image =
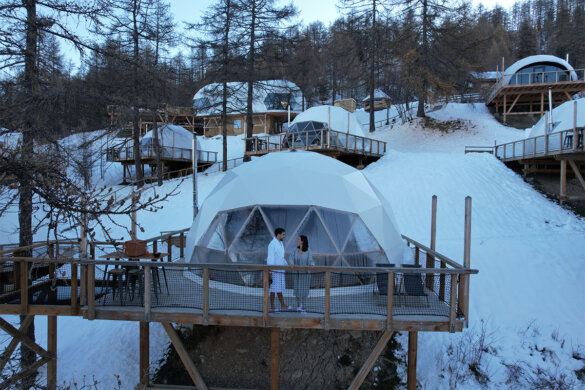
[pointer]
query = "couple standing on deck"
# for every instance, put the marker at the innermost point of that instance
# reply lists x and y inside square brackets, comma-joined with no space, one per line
[300,257]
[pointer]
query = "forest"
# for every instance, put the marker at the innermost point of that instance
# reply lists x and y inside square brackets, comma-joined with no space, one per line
[138,54]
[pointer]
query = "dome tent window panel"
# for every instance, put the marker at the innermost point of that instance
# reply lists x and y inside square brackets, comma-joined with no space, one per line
[208,255]
[288,217]
[255,235]
[338,224]
[361,240]
[319,239]
[214,237]
[234,221]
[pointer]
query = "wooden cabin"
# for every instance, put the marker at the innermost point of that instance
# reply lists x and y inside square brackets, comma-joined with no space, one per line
[346,104]
[526,87]
[381,101]
[273,100]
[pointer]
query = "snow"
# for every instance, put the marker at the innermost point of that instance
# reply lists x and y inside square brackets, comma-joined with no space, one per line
[526,303]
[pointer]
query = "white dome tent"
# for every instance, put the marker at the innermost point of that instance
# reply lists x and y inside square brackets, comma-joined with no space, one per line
[347,221]
[174,140]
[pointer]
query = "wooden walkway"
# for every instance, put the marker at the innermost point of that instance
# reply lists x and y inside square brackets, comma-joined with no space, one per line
[431,295]
[351,149]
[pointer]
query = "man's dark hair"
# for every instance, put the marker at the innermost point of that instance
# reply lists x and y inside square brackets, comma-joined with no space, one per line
[278,230]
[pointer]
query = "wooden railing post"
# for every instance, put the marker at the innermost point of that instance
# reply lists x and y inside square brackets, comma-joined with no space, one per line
[575,133]
[390,301]
[265,288]
[147,293]
[464,286]
[205,294]
[91,292]
[453,300]
[327,299]
[74,285]
[83,286]
[23,287]
[169,248]
[430,279]
[182,244]
[416,255]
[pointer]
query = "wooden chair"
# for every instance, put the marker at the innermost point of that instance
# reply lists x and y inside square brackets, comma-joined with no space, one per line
[382,284]
[412,284]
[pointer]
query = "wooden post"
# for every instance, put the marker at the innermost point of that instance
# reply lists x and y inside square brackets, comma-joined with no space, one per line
[505,108]
[205,293]
[369,363]
[575,133]
[147,293]
[170,248]
[327,298]
[184,355]
[182,244]
[430,279]
[453,300]
[390,300]
[74,285]
[52,349]
[265,288]
[23,287]
[91,292]
[464,287]
[83,286]
[144,372]
[416,255]
[274,358]
[563,181]
[546,134]
[412,350]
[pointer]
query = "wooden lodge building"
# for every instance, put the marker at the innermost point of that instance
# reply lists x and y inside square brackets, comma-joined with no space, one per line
[526,87]
[381,101]
[273,101]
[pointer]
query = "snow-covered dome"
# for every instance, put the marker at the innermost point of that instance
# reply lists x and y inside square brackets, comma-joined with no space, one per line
[337,118]
[562,117]
[170,136]
[542,59]
[346,219]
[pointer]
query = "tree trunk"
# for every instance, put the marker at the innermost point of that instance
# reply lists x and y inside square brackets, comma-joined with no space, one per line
[251,55]
[157,149]
[25,203]
[422,96]
[372,67]
[136,114]
[225,59]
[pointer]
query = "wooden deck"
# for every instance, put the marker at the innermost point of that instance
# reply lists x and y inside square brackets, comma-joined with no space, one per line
[351,149]
[527,93]
[172,291]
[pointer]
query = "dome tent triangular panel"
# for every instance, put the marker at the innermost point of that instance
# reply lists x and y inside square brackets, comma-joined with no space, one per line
[293,181]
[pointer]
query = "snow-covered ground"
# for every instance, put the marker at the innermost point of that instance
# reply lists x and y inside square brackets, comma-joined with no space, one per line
[526,303]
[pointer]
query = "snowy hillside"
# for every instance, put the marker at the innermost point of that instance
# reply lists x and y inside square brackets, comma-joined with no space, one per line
[526,303]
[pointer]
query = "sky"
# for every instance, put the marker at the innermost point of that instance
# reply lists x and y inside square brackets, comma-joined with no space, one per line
[310,10]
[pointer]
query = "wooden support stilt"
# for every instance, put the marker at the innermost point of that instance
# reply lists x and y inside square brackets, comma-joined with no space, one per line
[144,372]
[563,194]
[505,108]
[577,173]
[184,355]
[369,363]
[23,338]
[5,357]
[274,358]
[52,349]
[412,350]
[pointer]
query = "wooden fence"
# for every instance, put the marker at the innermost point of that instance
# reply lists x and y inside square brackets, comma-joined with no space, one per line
[562,142]
[117,154]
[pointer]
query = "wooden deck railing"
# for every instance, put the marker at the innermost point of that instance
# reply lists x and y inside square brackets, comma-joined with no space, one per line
[432,297]
[121,154]
[562,142]
[323,139]
[535,78]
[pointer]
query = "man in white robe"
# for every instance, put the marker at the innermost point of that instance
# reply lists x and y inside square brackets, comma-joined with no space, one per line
[276,257]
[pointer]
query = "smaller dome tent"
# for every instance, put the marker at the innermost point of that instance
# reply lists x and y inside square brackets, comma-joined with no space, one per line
[336,118]
[347,221]
[563,117]
[538,69]
[174,140]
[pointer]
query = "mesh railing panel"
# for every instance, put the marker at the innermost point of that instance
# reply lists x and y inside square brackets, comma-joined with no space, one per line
[177,288]
[235,290]
[8,291]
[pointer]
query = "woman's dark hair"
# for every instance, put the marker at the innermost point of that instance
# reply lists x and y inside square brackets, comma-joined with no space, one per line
[305,243]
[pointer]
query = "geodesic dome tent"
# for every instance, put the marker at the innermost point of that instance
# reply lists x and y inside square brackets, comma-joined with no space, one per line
[347,221]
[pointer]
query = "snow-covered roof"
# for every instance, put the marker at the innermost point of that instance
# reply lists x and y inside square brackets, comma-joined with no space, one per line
[337,119]
[492,75]
[299,179]
[171,136]
[378,94]
[538,59]
[562,117]
[269,96]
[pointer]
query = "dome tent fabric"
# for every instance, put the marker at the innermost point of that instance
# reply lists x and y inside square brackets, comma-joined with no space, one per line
[174,140]
[336,117]
[562,116]
[347,221]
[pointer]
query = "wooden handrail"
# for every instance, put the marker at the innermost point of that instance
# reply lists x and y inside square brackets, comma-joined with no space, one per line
[432,252]
[568,141]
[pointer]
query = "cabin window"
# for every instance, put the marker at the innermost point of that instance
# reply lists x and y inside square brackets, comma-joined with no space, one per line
[237,124]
